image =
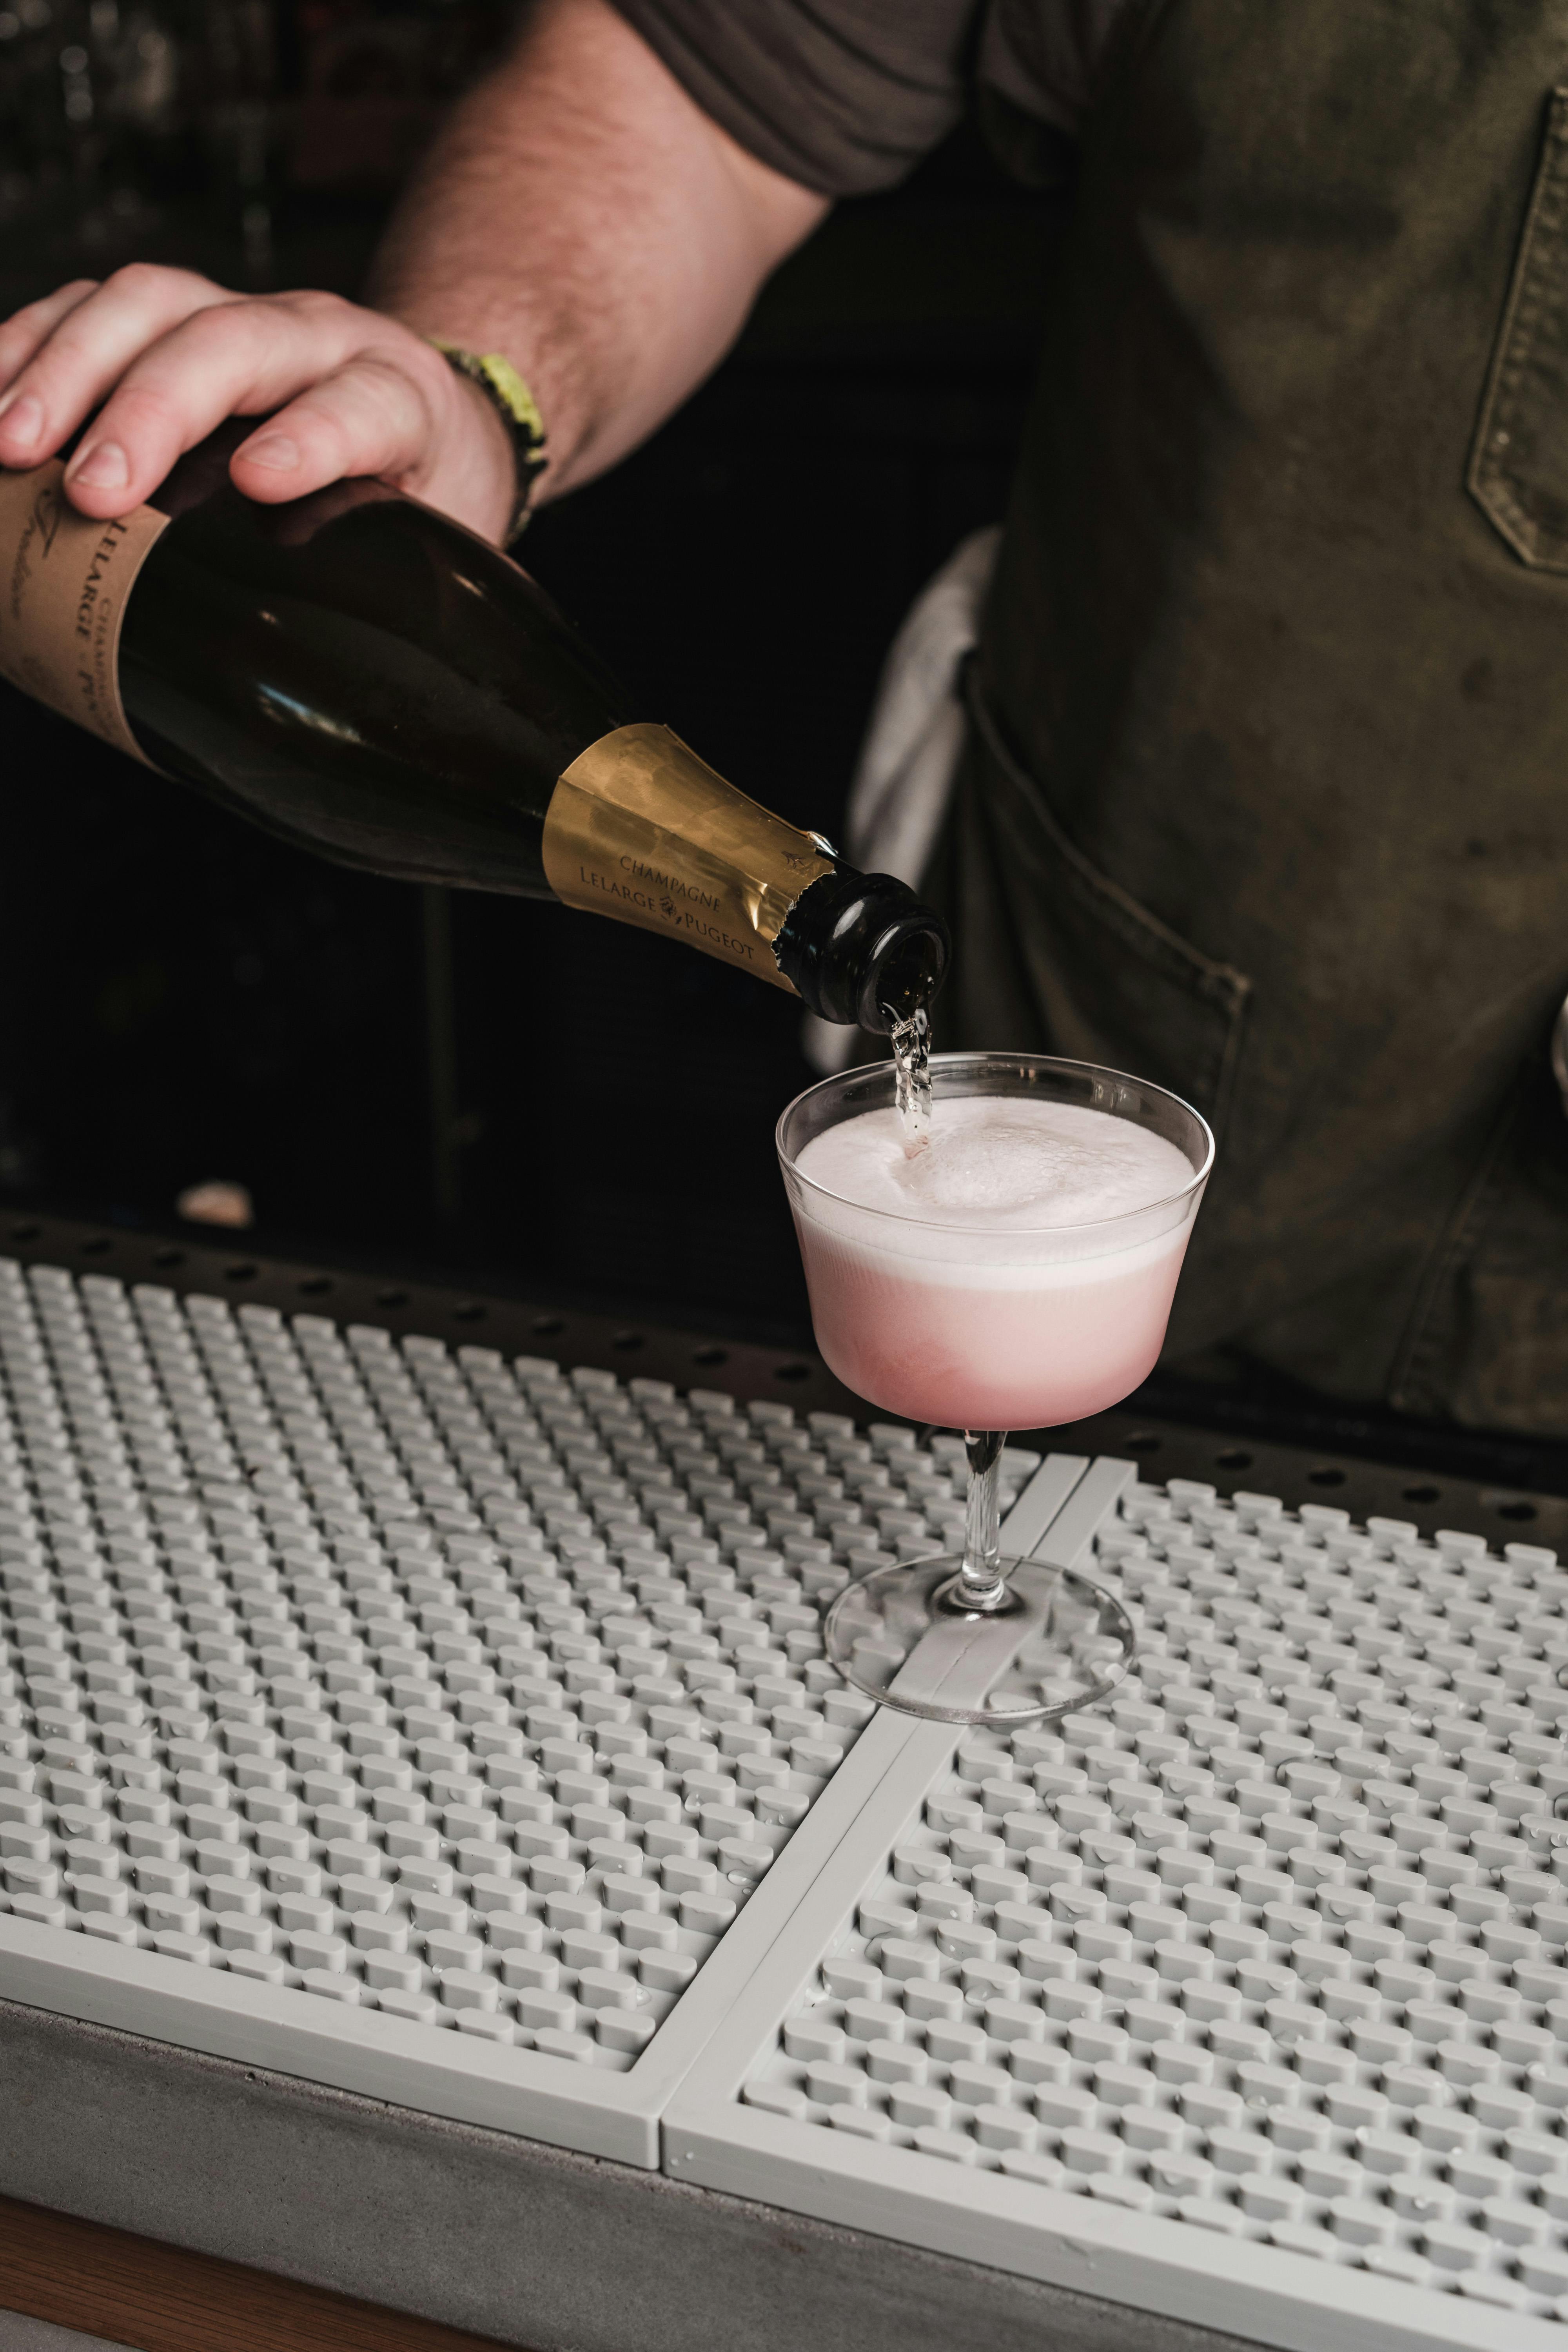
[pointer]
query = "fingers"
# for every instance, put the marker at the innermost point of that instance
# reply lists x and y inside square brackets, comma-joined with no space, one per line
[397,412]
[28,330]
[163,357]
[369,417]
[85,347]
[236,358]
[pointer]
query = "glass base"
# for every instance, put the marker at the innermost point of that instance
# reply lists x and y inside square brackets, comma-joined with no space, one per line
[1058,1642]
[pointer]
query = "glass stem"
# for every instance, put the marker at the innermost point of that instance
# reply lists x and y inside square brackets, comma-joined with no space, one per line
[981,1584]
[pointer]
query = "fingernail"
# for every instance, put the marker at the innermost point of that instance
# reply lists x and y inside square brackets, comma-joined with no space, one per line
[23,420]
[274,450]
[104,468]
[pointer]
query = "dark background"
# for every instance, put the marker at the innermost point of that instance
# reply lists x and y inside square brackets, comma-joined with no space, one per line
[530,1099]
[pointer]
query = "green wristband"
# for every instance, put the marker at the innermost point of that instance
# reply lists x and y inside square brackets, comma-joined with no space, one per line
[516,407]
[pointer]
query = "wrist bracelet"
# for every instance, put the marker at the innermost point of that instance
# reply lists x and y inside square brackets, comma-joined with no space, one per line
[519,411]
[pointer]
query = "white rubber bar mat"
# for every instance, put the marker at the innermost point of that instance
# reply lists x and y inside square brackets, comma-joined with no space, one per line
[1240,1999]
[438,1727]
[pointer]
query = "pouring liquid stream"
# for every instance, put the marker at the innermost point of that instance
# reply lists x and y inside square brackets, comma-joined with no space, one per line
[910,1039]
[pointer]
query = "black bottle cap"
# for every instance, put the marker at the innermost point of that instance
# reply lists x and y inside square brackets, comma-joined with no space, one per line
[861,947]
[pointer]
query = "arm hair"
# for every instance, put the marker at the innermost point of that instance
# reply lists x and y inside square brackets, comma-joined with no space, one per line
[582,214]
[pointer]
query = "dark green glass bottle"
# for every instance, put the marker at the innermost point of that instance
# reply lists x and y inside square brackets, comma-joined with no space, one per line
[367,680]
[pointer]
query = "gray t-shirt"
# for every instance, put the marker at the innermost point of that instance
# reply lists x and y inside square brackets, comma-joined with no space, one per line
[846,96]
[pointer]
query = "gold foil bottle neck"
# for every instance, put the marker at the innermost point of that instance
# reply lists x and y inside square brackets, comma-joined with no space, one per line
[640,828]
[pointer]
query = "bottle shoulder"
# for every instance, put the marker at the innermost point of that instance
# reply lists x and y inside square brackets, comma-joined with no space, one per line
[359,673]
[363,549]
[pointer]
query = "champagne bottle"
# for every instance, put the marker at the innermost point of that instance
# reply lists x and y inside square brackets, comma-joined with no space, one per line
[367,679]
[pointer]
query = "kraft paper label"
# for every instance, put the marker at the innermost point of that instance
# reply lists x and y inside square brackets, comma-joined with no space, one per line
[640,828]
[64,583]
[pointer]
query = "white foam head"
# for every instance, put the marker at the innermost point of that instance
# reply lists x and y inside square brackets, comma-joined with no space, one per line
[1004,1178]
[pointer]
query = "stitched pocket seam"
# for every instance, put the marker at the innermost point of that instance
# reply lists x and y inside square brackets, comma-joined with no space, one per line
[1539,286]
[1221,983]
[1157,947]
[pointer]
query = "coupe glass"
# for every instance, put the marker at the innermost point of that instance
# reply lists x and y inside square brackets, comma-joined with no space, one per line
[987,1331]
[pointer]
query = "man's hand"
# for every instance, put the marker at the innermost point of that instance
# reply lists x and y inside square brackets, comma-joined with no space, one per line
[164,356]
[578,213]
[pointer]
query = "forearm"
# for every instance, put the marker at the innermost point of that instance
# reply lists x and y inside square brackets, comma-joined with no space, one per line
[582,214]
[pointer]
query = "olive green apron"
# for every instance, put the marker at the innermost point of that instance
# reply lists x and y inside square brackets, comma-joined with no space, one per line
[1266,796]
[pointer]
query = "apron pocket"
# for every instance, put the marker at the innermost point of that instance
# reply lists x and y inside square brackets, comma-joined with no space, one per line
[1109,981]
[1518,464]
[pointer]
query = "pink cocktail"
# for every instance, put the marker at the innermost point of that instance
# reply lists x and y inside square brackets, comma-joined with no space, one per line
[1025,1349]
[1016,1274]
